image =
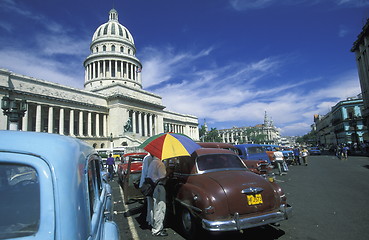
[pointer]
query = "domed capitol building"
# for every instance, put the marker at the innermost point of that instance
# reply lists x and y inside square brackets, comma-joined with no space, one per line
[113,107]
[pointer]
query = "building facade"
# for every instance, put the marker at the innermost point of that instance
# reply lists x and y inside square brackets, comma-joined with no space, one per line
[361,50]
[238,135]
[344,124]
[113,109]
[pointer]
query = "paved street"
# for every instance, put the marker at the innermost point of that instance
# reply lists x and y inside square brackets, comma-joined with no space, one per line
[329,197]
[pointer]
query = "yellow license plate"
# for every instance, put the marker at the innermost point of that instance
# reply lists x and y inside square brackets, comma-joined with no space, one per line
[254,199]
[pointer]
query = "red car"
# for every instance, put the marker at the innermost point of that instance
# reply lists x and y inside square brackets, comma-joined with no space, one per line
[256,166]
[129,174]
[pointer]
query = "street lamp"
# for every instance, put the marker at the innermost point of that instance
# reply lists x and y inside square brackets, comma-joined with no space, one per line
[14,110]
[111,141]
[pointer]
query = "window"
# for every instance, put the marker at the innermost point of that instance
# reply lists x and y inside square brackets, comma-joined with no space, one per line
[104,48]
[94,181]
[121,49]
[20,192]
[218,161]
[113,48]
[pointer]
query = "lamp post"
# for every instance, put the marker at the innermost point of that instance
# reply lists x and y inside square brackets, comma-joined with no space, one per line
[111,142]
[14,110]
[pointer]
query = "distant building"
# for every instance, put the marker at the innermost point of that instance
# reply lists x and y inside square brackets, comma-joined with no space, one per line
[343,124]
[361,50]
[238,135]
[113,109]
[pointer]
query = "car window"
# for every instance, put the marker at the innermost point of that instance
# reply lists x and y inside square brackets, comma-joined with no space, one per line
[218,161]
[20,201]
[255,150]
[94,181]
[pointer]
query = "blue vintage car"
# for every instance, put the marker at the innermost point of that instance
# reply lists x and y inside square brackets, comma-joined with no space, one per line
[252,152]
[52,187]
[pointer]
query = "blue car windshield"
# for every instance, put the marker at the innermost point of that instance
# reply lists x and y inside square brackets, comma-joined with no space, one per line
[19,201]
[218,161]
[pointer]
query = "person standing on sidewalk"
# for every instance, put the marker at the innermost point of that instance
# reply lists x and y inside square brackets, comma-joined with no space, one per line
[157,172]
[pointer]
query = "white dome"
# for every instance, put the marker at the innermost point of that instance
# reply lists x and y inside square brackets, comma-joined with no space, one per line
[112,29]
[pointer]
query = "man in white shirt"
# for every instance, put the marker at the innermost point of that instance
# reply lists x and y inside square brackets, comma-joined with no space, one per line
[156,172]
[149,201]
[279,159]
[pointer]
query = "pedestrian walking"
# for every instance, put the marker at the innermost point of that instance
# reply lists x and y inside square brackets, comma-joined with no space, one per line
[157,172]
[345,149]
[110,163]
[279,160]
[296,153]
[304,155]
[147,210]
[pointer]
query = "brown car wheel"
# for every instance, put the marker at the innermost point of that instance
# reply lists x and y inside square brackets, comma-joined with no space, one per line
[188,224]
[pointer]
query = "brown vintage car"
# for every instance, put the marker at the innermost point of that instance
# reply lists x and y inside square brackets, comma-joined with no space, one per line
[214,190]
[256,166]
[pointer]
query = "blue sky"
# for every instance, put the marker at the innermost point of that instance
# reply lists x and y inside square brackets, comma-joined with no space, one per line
[226,61]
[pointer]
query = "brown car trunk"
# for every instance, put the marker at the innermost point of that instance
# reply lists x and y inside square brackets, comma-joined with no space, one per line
[237,201]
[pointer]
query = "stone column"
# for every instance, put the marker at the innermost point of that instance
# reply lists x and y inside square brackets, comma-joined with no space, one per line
[105,128]
[104,68]
[144,125]
[98,69]
[80,124]
[38,118]
[121,69]
[110,68]
[50,120]
[140,123]
[61,121]
[116,68]
[150,124]
[71,122]
[89,123]
[134,127]
[97,123]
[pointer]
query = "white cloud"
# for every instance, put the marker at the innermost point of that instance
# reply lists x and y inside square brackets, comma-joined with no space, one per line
[233,93]
[31,65]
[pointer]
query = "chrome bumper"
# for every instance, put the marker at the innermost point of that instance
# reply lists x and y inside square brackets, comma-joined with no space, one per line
[239,223]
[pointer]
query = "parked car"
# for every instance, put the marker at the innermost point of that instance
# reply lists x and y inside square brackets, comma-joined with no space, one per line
[214,190]
[258,166]
[52,187]
[314,151]
[129,174]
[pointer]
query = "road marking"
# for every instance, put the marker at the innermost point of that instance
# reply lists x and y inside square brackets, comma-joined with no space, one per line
[129,218]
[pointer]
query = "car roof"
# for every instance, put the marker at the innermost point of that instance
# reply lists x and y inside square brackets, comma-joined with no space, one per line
[206,151]
[61,152]
[249,145]
[215,145]
[134,154]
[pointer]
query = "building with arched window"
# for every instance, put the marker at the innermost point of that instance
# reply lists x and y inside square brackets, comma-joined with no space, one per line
[111,109]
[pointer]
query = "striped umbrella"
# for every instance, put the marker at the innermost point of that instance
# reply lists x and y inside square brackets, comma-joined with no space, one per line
[169,145]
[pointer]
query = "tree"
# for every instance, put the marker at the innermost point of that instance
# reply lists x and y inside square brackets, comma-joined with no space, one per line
[254,135]
[202,133]
[213,136]
[210,136]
